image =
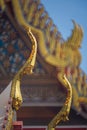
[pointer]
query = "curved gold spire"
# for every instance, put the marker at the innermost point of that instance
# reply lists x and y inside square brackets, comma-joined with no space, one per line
[64,112]
[26,69]
[75,39]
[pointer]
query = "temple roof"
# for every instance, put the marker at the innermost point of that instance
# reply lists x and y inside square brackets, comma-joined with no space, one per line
[15,46]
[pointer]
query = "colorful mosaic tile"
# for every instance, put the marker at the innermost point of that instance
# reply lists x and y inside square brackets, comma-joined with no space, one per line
[13,51]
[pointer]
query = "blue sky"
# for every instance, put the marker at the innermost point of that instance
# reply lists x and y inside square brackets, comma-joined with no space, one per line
[62,12]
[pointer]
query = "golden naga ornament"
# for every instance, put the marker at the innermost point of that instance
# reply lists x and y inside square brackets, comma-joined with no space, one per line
[26,69]
[64,112]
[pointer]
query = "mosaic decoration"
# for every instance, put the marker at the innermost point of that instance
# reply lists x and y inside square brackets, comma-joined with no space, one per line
[13,51]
